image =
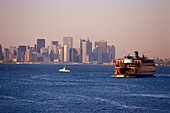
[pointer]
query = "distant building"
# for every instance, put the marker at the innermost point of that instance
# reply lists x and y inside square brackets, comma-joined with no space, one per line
[44,54]
[73,57]
[86,51]
[29,55]
[35,47]
[6,54]
[61,54]
[102,44]
[66,53]
[68,41]
[12,48]
[98,54]
[40,44]
[113,53]
[54,43]
[1,53]
[53,50]
[21,53]
[80,51]
[78,55]
[12,55]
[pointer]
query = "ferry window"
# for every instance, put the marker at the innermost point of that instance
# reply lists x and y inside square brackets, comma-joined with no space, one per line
[131,65]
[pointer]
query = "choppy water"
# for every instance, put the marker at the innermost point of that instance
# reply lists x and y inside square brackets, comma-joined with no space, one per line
[88,88]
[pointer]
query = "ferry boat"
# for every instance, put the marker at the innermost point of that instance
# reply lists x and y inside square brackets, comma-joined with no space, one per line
[136,66]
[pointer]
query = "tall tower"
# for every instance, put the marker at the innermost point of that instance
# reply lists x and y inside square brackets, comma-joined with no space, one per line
[113,52]
[86,51]
[80,46]
[1,54]
[73,55]
[68,41]
[54,43]
[40,44]
[98,54]
[6,54]
[66,53]
[28,55]
[53,50]
[102,44]
[21,53]
[61,54]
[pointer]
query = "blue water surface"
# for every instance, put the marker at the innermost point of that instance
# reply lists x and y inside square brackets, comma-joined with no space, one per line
[42,88]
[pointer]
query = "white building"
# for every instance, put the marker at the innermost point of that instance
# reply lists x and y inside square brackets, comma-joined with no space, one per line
[86,51]
[66,53]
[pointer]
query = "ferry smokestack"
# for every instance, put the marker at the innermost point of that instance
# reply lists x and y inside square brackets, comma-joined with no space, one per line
[136,54]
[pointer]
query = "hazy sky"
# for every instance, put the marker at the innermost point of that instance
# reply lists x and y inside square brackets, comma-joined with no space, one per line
[130,25]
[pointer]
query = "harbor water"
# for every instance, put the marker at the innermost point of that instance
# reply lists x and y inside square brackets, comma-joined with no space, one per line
[41,88]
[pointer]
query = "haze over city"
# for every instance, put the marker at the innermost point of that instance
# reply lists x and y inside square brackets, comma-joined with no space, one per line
[129,25]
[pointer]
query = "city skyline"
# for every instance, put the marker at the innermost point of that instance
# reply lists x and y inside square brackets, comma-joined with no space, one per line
[57,53]
[130,25]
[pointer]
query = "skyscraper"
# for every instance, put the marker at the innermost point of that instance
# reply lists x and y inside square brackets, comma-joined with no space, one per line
[68,41]
[61,54]
[35,47]
[102,44]
[11,48]
[44,54]
[53,50]
[73,55]
[12,53]
[28,55]
[113,52]
[40,44]
[66,53]
[98,54]
[21,53]
[86,51]
[54,43]
[6,54]
[80,46]
[1,54]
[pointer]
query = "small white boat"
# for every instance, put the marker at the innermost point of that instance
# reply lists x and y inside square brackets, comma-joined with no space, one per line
[119,76]
[64,70]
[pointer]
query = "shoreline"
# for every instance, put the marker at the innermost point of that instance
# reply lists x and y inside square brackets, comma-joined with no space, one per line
[69,63]
[54,63]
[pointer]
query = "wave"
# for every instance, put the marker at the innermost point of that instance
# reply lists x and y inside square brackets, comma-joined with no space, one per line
[151,95]
[162,75]
[14,98]
[39,76]
[7,97]
[117,104]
